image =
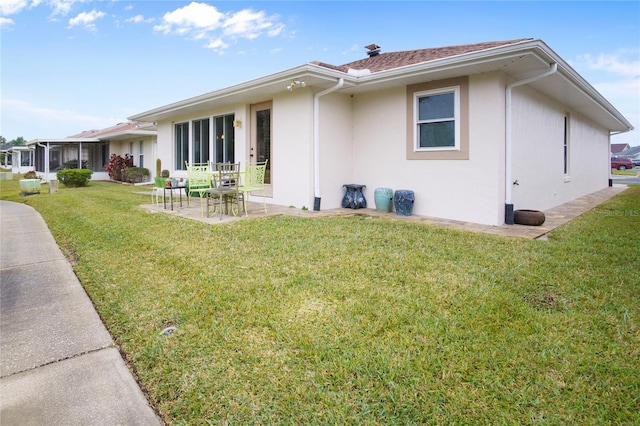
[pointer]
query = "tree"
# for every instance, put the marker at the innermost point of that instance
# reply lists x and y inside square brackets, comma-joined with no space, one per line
[17,141]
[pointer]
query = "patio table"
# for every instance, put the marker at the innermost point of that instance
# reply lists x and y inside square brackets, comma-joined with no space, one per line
[180,188]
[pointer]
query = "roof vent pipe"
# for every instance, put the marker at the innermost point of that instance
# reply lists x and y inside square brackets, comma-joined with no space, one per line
[373,50]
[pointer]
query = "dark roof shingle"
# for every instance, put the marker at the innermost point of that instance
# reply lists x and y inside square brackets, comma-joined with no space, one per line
[391,60]
[120,127]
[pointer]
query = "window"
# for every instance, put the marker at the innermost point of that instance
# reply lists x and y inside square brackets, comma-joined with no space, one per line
[141,154]
[104,153]
[438,120]
[181,145]
[200,141]
[437,117]
[225,139]
[25,158]
[566,144]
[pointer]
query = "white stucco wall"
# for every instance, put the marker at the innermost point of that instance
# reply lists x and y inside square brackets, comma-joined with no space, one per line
[538,153]
[363,141]
[468,190]
[292,157]
[336,149]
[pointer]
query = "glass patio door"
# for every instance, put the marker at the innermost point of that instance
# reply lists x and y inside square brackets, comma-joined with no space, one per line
[260,147]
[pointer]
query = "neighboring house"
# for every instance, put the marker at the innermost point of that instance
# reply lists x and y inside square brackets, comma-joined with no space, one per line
[617,148]
[5,155]
[22,158]
[630,152]
[94,147]
[474,130]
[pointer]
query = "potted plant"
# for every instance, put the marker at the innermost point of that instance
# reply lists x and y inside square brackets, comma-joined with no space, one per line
[161,181]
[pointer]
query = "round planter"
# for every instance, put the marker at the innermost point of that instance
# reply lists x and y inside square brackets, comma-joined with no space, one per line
[384,199]
[403,202]
[528,217]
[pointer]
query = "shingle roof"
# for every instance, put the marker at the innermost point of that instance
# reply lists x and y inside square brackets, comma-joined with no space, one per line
[118,128]
[618,147]
[391,60]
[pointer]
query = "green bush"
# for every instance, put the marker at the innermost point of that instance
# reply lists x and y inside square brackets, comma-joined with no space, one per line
[73,178]
[73,164]
[136,174]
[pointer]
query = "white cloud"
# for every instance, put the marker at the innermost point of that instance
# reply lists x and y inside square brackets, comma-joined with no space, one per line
[86,19]
[58,7]
[217,45]
[200,21]
[139,19]
[617,76]
[623,62]
[353,48]
[63,7]
[248,24]
[10,7]
[194,17]
[20,117]
[6,22]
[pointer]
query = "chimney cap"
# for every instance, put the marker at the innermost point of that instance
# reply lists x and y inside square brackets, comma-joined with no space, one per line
[373,50]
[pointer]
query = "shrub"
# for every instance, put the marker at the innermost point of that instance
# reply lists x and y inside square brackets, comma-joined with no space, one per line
[118,165]
[136,174]
[165,173]
[73,164]
[74,178]
[31,174]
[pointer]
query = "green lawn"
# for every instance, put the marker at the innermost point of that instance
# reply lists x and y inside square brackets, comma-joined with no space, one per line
[625,172]
[354,320]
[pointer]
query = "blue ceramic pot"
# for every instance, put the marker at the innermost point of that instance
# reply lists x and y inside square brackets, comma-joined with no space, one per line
[403,202]
[384,199]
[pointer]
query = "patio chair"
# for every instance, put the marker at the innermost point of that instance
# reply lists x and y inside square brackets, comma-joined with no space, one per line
[253,181]
[198,182]
[158,190]
[226,178]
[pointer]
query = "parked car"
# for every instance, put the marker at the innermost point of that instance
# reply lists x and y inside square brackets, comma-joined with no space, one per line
[621,163]
[636,162]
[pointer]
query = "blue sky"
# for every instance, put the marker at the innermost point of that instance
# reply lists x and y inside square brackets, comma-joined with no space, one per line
[73,65]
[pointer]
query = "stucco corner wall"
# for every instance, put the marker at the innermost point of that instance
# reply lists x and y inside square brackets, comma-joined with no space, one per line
[466,190]
[538,152]
[292,158]
[336,148]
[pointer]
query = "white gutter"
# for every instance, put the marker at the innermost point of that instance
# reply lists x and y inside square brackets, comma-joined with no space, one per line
[508,142]
[316,140]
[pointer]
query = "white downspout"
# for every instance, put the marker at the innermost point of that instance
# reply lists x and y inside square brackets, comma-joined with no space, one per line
[508,142]
[46,160]
[316,140]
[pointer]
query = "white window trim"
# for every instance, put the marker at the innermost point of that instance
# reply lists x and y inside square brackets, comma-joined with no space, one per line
[456,118]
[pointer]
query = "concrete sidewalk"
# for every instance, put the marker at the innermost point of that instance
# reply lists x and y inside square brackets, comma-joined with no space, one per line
[58,363]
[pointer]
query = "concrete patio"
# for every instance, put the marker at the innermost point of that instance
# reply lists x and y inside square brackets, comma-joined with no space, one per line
[555,217]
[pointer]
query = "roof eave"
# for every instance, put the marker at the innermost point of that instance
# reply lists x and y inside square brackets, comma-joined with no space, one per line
[62,140]
[535,48]
[321,77]
[253,90]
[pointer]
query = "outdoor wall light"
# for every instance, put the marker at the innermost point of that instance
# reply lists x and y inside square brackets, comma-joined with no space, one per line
[237,123]
[295,84]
